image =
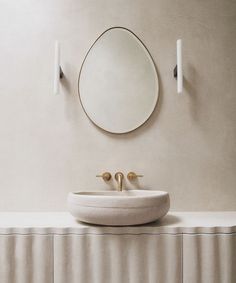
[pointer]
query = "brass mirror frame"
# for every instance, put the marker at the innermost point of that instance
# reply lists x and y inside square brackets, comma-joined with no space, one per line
[111,28]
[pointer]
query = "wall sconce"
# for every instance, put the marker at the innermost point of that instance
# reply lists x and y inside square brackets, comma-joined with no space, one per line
[58,73]
[178,70]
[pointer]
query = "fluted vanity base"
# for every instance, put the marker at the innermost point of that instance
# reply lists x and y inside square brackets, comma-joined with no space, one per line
[118,259]
[26,258]
[183,247]
[209,258]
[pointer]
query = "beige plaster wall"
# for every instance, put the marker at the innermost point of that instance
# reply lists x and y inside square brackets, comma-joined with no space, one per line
[48,147]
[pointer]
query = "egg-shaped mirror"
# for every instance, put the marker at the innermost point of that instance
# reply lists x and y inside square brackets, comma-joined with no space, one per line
[118,82]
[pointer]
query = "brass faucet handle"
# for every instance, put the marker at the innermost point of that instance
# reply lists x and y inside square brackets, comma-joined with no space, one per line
[132,176]
[106,176]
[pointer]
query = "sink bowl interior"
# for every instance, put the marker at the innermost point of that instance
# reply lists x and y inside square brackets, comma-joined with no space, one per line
[125,193]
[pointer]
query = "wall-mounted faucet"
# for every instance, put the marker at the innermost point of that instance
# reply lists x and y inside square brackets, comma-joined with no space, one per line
[119,176]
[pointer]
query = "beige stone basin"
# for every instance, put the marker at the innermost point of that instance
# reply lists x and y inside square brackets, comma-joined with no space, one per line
[129,207]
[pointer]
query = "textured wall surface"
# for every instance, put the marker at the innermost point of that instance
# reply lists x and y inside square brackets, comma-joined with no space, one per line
[48,147]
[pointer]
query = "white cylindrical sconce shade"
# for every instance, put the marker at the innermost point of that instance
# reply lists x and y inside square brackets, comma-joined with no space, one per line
[179,67]
[56,68]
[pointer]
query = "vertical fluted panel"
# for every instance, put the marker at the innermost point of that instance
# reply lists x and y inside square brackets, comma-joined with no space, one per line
[209,258]
[26,259]
[117,258]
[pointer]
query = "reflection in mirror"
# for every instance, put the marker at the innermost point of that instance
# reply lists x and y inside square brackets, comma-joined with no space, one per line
[118,82]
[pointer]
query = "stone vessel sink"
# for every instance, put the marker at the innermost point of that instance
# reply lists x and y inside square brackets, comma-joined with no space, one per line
[113,208]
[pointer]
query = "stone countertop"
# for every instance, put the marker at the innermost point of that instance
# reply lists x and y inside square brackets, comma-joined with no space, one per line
[52,223]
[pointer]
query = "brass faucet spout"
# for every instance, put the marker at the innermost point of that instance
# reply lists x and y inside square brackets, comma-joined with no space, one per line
[119,178]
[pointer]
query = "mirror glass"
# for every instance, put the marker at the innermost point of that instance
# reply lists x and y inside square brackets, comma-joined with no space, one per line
[118,82]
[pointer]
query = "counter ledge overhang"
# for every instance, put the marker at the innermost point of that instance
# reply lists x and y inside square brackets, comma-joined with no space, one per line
[62,223]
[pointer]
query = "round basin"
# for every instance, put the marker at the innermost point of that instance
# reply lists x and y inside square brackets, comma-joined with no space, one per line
[113,208]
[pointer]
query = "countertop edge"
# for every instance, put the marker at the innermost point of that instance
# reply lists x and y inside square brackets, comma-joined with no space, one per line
[62,223]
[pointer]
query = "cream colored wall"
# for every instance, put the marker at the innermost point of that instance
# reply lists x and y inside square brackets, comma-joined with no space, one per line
[48,147]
